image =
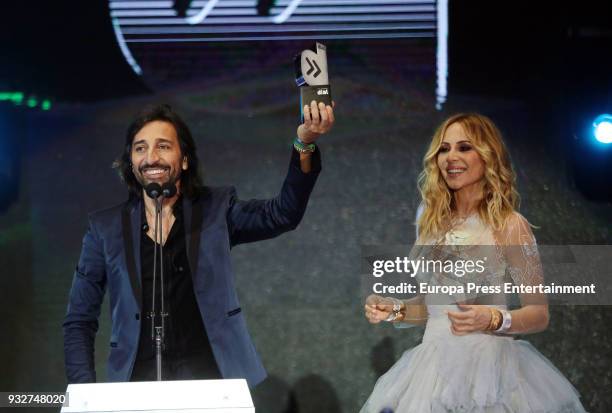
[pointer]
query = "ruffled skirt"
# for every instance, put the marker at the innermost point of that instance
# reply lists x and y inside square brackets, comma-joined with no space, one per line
[476,373]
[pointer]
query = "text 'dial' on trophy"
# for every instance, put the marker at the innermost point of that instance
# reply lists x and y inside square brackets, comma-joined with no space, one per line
[312,75]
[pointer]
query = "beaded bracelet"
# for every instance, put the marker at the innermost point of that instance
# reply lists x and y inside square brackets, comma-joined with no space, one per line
[303,147]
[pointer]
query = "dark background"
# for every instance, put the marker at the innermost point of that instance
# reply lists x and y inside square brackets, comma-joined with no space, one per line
[541,71]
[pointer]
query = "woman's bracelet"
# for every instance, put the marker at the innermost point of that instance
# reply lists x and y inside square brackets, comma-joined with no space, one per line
[506,321]
[496,319]
[397,309]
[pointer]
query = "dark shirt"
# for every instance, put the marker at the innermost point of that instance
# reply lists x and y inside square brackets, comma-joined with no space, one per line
[185,335]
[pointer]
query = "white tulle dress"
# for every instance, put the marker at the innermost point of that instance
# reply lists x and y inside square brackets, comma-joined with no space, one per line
[478,372]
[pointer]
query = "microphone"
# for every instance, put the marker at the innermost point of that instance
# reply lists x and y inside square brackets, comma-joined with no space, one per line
[168,189]
[153,190]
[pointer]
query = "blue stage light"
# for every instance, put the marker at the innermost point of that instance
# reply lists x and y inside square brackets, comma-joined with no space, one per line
[602,128]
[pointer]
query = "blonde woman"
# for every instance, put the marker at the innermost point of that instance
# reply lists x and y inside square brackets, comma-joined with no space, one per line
[468,360]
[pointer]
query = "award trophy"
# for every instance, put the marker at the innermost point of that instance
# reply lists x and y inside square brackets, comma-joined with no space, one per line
[312,77]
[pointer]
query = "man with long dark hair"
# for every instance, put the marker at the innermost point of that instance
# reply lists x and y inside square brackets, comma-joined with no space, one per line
[205,334]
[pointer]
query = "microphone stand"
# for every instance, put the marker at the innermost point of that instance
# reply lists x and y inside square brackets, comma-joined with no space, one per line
[157,331]
[158,193]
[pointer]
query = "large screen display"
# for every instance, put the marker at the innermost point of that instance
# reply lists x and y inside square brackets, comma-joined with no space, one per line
[234,20]
[166,40]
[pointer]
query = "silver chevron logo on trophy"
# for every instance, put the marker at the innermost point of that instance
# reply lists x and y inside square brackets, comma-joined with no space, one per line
[312,76]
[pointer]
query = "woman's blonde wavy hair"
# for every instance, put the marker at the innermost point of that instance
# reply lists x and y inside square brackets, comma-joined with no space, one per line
[500,197]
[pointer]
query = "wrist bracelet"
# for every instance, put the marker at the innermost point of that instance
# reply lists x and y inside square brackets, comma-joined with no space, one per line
[496,319]
[303,147]
[506,321]
[397,309]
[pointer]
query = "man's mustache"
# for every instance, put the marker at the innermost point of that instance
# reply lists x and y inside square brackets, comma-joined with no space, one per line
[153,166]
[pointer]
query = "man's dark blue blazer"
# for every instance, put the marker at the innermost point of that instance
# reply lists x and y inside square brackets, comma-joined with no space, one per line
[214,222]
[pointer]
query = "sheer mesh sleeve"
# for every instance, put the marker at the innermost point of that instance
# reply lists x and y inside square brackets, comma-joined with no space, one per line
[525,268]
[521,252]
[416,311]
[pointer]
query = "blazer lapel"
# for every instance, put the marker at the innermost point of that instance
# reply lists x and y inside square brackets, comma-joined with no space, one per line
[132,227]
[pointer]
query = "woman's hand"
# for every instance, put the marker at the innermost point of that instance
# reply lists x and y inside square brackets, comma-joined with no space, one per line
[472,318]
[378,308]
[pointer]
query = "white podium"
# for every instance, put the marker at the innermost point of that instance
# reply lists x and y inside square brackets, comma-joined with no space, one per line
[209,396]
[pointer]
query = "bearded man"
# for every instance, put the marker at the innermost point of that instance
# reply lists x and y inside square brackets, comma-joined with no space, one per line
[205,334]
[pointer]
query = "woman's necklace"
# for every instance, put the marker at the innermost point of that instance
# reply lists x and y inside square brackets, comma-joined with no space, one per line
[456,233]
